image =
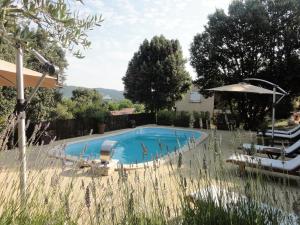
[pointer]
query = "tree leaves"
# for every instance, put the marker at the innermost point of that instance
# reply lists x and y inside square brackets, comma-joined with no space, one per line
[256,39]
[156,74]
[54,17]
[44,103]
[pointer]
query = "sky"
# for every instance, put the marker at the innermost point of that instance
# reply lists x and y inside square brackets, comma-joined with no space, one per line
[127,23]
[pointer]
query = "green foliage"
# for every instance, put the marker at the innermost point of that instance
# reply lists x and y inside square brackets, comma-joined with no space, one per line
[85,100]
[87,103]
[211,211]
[142,219]
[36,218]
[86,96]
[182,119]
[125,103]
[44,103]
[56,18]
[156,75]
[64,109]
[197,117]
[165,117]
[139,108]
[113,106]
[256,39]
[98,114]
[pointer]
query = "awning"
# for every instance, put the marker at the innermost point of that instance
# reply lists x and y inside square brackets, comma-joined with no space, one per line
[245,88]
[31,77]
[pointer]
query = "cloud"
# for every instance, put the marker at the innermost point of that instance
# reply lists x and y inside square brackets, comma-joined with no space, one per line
[126,24]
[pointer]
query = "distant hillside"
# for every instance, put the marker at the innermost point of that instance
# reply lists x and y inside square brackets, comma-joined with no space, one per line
[114,94]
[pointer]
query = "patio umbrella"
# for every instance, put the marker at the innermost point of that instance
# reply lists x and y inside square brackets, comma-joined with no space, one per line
[244,88]
[16,76]
[31,77]
[249,88]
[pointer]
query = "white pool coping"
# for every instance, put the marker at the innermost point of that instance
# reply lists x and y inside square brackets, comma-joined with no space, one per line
[58,151]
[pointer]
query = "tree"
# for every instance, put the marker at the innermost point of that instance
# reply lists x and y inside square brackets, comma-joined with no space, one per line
[112,106]
[156,75]
[86,100]
[258,38]
[86,96]
[56,18]
[64,109]
[60,25]
[44,102]
[125,103]
[48,26]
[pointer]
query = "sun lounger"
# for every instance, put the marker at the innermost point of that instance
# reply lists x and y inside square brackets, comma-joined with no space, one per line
[274,152]
[291,166]
[288,136]
[290,131]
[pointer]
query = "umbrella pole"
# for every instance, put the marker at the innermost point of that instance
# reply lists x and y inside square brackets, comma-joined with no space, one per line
[273,113]
[21,123]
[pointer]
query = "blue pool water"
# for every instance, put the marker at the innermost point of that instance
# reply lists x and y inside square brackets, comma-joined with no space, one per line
[158,141]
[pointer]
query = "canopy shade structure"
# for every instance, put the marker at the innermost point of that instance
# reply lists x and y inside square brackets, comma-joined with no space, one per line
[249,88]
[31,77]
[245,88]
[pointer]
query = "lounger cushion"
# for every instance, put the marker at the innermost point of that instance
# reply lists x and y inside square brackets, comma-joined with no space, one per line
[289,165]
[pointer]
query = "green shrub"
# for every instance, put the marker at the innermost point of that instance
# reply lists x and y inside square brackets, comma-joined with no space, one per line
[197,117]
[165,118]
[182,119]
[211,211]
[205,117]
[98,115]
[95,112]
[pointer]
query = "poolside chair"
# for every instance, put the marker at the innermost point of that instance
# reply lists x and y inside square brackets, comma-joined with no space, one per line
[274,152]
[289,135]
[290,131]
[291,166]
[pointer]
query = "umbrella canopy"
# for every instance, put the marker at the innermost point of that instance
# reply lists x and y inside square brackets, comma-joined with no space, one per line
[245,88]
[31,78]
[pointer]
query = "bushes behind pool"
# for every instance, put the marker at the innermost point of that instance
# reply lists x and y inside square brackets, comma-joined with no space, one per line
[169,118]
[165,117]
[182,119]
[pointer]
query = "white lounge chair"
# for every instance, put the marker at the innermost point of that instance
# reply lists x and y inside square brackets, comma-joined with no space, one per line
[290,131]
[289,136]
[291,166]
[272,152]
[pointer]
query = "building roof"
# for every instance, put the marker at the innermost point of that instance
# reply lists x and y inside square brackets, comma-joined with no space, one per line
[125,111]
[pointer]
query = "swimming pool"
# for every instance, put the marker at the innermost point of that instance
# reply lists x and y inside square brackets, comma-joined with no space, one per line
[131,145]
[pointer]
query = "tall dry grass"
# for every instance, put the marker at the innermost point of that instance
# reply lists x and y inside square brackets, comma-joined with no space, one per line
[195,187]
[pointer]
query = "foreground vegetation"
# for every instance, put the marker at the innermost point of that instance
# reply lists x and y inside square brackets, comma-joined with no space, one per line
[153,195]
